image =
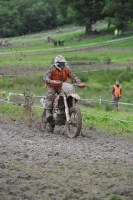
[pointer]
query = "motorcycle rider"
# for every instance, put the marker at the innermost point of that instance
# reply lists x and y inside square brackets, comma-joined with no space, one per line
[59,71]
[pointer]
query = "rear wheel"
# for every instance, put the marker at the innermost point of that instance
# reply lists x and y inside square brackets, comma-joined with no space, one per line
[74,127]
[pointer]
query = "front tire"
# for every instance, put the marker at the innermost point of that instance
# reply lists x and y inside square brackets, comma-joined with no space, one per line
[74,127]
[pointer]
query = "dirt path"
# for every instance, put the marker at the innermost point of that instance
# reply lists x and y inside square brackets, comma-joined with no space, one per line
[42,166]
[13,71]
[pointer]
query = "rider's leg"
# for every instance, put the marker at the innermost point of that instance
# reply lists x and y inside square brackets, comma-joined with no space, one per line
[50,95]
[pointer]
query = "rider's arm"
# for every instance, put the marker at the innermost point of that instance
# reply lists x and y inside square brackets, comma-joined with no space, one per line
[48,75]
[73,77]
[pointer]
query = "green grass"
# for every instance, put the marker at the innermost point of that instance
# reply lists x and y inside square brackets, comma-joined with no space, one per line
[112,122]
[14,110]
[29,56]
[81,57]
[99,84]
[23,55]
[123,44]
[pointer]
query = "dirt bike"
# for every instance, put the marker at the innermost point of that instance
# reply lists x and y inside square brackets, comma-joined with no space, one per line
[65,110]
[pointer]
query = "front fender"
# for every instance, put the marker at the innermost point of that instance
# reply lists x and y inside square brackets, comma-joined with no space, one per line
[75,96]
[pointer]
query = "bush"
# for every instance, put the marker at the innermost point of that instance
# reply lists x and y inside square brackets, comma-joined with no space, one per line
[107,60]
[108,107]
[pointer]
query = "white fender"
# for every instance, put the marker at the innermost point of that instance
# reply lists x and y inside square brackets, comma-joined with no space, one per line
[75,96]
[43,102]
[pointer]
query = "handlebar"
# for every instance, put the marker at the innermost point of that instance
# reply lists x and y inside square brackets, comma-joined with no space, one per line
[57,82]
[80,85]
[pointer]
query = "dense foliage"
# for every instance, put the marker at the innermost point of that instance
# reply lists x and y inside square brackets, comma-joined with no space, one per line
[119,12]
[19,17]
[82,12]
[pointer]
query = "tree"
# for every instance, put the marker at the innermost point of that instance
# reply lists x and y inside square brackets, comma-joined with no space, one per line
[40,16]
[36,15]
[83,12]
[118,12]
[19,17]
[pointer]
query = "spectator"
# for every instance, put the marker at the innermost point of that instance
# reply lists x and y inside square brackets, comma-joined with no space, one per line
[62,42]
[96,31]
[59,43]
[55,43]
[116,94]
[49,39]
[115,33]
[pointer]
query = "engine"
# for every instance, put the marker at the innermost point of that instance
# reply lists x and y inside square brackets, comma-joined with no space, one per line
[59,117]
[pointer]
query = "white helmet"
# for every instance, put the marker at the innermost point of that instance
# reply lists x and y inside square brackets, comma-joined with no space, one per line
[59,59]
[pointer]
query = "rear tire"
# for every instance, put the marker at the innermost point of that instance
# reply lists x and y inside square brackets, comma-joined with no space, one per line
[74,127]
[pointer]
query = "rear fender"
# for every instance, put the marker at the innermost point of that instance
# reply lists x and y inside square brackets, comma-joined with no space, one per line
[43,101]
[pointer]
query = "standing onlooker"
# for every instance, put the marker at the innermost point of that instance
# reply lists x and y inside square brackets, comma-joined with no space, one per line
[116,33]
[62,42]
[59,43]
[116,94]
[55,43]
[48,39]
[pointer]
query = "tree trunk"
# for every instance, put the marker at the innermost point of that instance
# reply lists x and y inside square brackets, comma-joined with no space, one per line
[88,30]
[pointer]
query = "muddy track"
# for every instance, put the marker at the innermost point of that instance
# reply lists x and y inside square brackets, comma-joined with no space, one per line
[37,165]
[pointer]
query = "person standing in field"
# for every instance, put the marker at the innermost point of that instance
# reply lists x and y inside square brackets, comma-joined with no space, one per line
[115,33]
[116,94]
[55,43]
[62,42]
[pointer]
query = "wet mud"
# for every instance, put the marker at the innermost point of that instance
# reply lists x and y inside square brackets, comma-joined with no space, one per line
[36,165]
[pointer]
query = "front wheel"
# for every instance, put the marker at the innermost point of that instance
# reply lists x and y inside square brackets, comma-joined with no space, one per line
[74,127]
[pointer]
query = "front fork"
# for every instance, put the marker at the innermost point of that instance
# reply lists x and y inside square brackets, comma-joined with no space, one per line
[66,109]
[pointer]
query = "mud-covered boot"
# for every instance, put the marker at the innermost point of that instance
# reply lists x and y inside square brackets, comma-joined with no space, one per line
[50,128]
[49,115]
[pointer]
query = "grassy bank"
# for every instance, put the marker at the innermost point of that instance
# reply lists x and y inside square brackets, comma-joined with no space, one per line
[94,119]
[99,84]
